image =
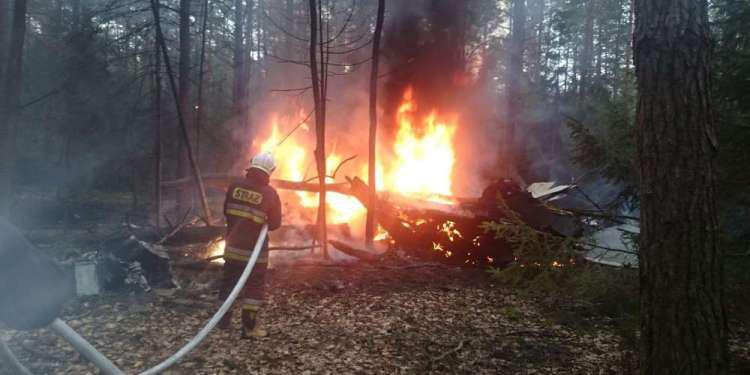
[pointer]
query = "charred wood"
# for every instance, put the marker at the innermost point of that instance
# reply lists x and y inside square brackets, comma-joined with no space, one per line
[353,251]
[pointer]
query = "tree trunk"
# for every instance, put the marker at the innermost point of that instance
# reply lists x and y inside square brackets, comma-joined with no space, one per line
[180,120]
[4,27]
[683,322]
[239,88]
[536,10]
[199,110]
[513,79]
[185,196]
[587,53]
[157,135]
[320,154]
[10,105]
[628,56]
[372,161]
[247,66]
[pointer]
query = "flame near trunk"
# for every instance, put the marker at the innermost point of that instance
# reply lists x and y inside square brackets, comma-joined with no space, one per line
[418,161]
[423,155]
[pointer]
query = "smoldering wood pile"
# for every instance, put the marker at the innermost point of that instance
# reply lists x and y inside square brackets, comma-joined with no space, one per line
[446,233]
[452,233]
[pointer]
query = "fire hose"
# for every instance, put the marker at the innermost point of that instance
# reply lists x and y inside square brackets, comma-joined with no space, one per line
[107,367]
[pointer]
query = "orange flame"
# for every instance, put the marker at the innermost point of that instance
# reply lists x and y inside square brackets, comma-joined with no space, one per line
[419,161]
[423,157]
[216,248]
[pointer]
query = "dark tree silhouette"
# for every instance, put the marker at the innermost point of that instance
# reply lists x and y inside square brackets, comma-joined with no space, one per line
[683,323]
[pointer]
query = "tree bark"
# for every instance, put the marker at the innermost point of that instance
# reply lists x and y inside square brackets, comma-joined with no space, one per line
[247,67]
[372,161]
[513,80]
[10,105]
[157,133]
[628,56]
[536,10]
[199,110]
[318,98]
[587,53]
[185,196]
[4,27]
[683,321]
[239,88]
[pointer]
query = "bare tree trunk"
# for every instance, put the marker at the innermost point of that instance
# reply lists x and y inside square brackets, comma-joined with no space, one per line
[157,136]
[628,56]
[320,155]
[683,320]
[199,107]
[513,78]
[239,88]
[185,196]
[4,27]
[587,53]
[536,10]
[289,51]
[185,137]
[246,70]
[10,105]
[372,160]
[133,146]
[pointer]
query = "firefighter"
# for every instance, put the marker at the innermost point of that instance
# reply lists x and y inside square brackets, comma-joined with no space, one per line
[250,202]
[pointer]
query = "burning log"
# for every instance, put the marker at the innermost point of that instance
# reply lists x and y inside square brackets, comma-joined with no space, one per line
[310,231]
[451,233]
[437,232]
[350,250]
[221,181]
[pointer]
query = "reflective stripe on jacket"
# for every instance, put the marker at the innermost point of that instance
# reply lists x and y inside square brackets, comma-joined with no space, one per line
[250,202]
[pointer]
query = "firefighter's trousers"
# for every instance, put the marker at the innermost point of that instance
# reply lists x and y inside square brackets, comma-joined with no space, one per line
[253,294]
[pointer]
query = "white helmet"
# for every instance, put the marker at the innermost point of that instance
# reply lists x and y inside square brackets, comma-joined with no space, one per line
[264,161]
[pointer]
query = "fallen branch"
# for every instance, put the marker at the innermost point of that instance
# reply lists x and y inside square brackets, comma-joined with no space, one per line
[603,215]
[342,164]
[341,188]
[360,254]
[271,248]
[454,350]
[293,248]
[221,181]
[177,229]
[609,248]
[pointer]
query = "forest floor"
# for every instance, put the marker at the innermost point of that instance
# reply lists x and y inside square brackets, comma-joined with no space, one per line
[337,318]
[334,318]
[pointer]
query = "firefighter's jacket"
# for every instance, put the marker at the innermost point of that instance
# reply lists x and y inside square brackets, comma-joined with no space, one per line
[250,203]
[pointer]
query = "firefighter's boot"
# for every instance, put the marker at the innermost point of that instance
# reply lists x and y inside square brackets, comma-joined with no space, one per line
[226,321]
[250,326]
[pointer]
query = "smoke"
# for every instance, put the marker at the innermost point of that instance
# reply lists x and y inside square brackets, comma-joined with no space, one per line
[430,46]
[32,287]
[424,48]
[427,44]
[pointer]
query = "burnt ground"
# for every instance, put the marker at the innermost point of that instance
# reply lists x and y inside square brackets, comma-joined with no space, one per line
[326,318]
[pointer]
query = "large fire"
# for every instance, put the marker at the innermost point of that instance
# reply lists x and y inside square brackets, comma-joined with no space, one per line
[423,156]
[418,161]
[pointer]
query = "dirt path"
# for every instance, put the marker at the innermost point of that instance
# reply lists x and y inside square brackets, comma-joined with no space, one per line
[332,319]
